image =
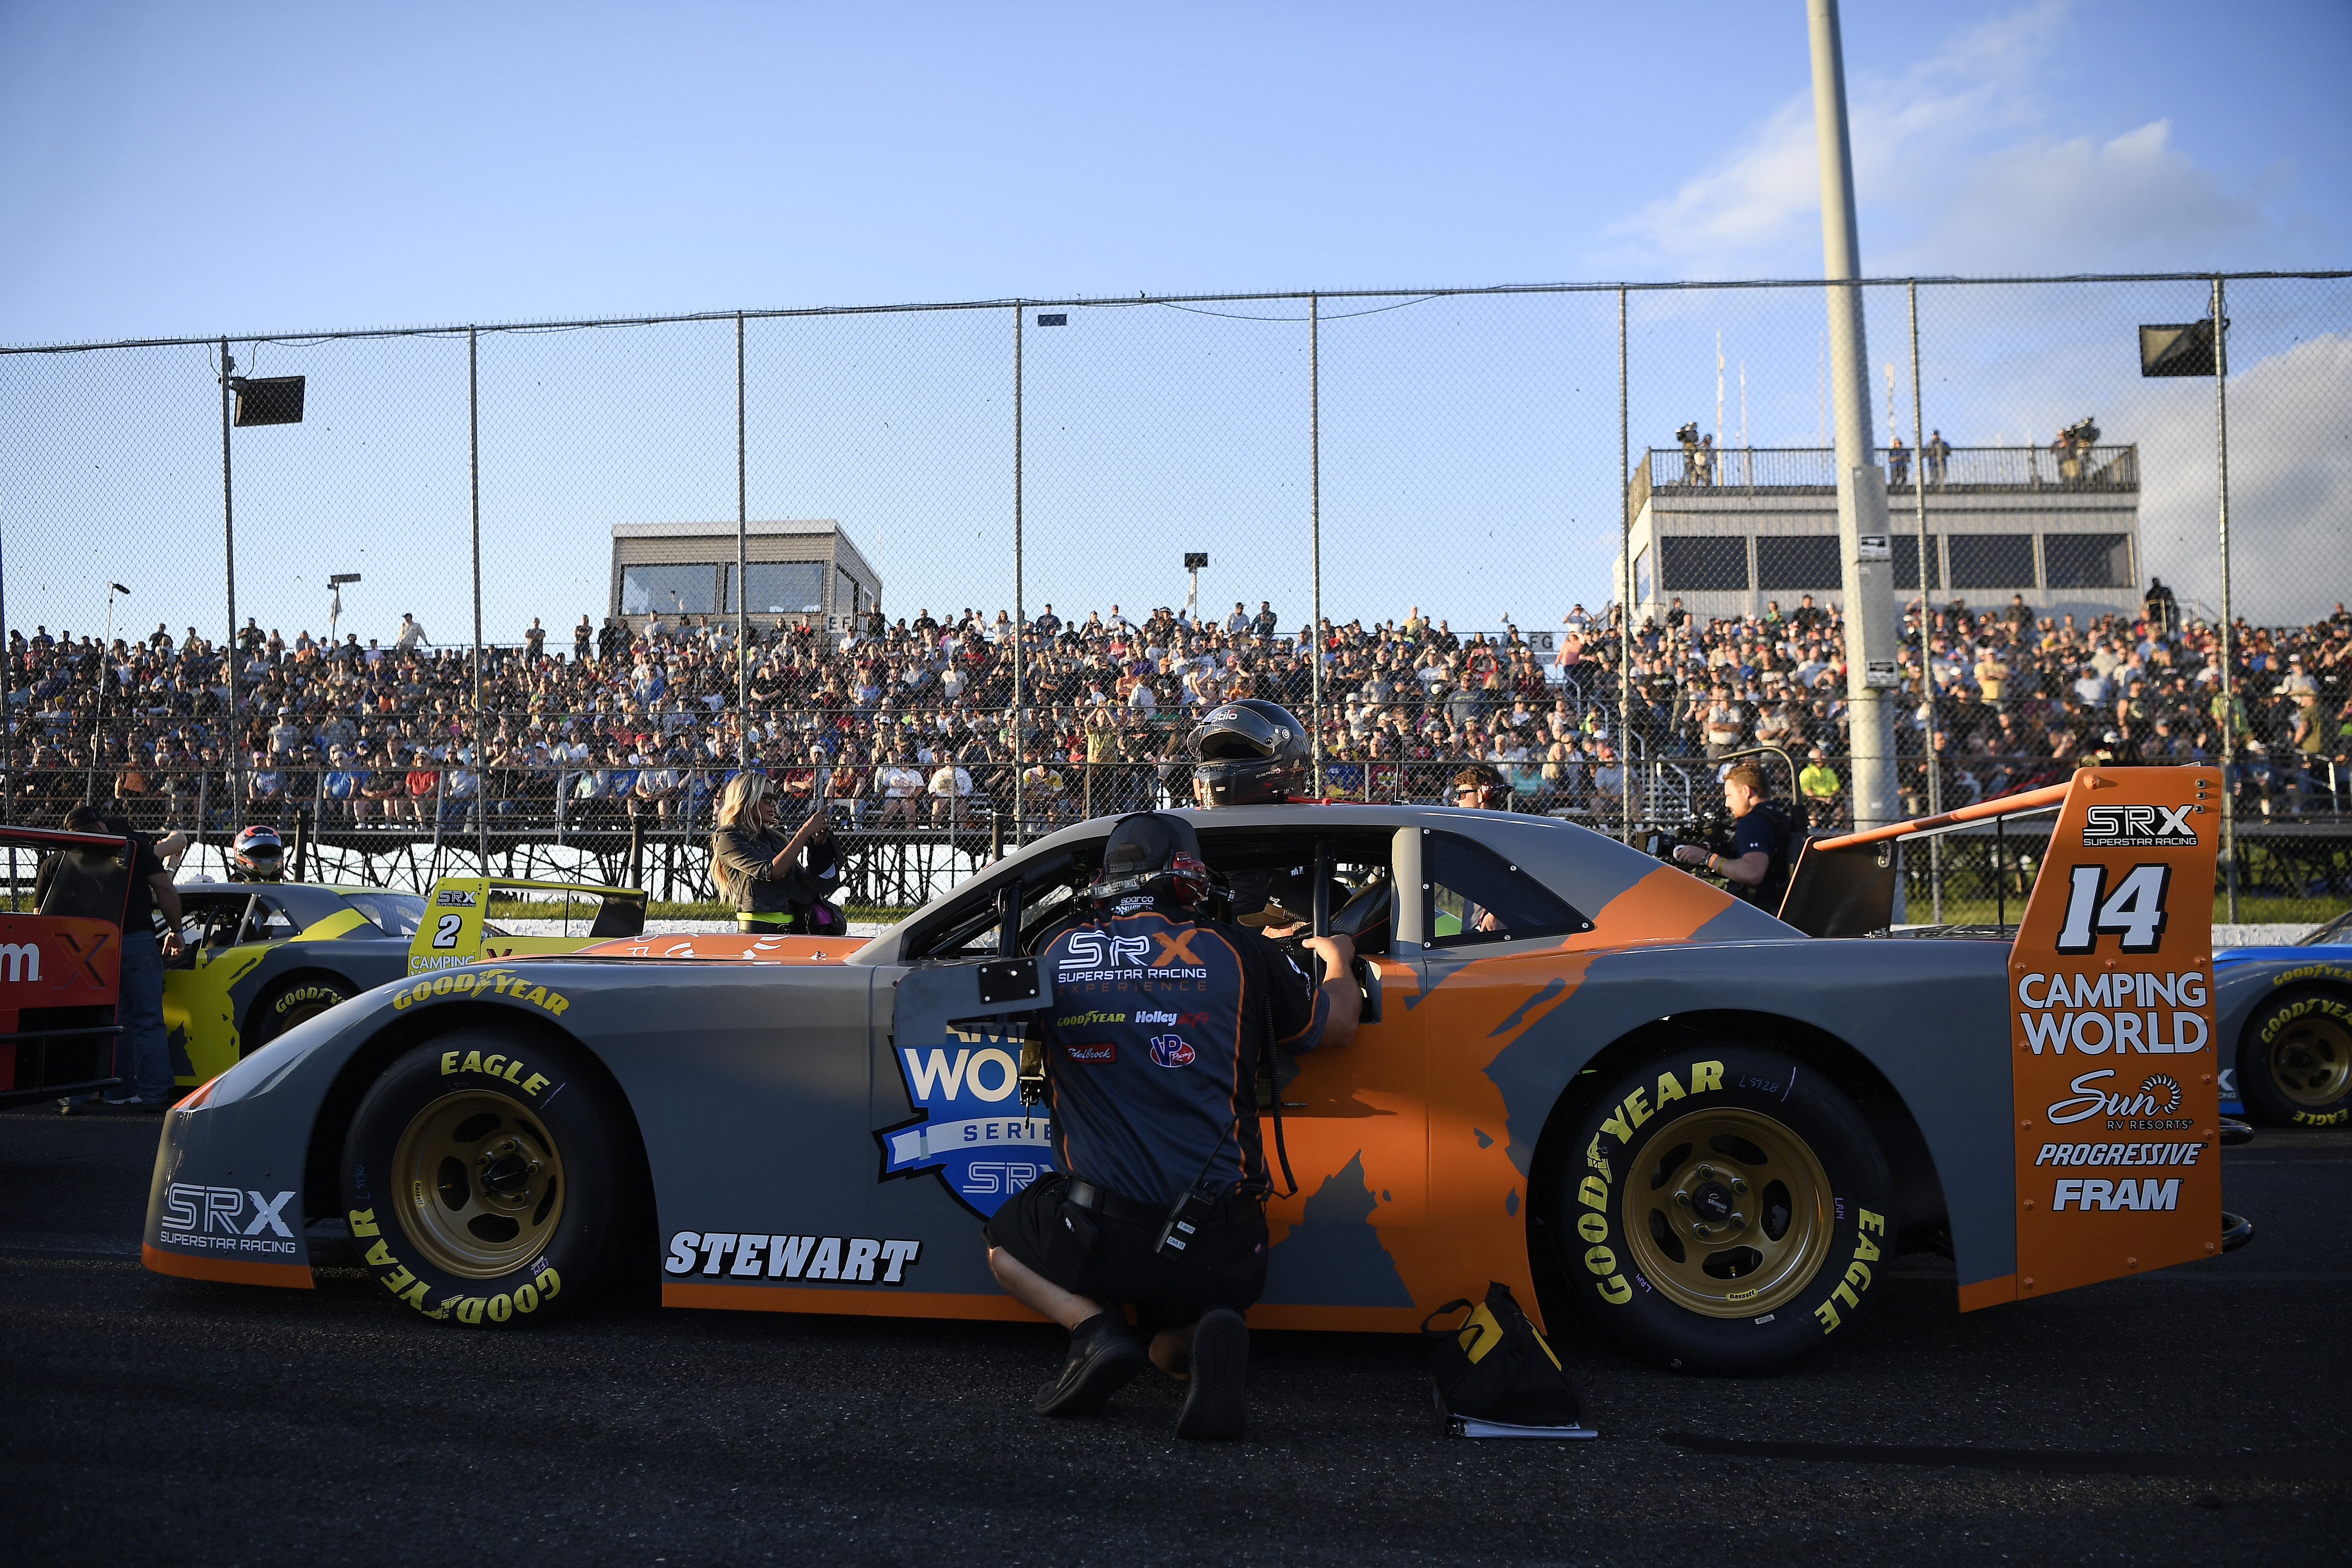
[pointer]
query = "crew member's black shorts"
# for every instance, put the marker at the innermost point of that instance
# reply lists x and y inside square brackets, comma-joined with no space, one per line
[1223,1266]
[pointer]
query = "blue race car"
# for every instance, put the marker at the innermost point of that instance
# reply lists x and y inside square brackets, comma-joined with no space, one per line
[2287,1043]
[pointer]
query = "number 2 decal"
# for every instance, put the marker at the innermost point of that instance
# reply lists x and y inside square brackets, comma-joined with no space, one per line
[445,931]
[2134,910]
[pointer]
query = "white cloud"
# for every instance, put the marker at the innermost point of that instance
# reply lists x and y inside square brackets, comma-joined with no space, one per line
[1956,170]
[2290,488]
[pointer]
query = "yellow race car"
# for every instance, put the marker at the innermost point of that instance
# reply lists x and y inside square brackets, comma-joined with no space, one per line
[259,957]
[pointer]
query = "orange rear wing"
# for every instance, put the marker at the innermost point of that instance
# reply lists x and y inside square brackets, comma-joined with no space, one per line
[2112,1039]
[2112,1048]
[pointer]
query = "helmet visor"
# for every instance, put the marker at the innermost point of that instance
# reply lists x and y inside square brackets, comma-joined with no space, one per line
[1236,733]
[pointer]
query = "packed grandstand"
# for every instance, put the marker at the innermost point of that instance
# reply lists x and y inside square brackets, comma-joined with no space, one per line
[909,723]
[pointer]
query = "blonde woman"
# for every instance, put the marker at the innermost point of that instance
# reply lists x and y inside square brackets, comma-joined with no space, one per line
[758,870]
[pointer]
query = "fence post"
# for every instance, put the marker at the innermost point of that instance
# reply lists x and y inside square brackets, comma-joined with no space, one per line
[1314,533]
[474,501]
[2229,685]
[229,550]
[1019,690]
[1926,664]
[1626,588]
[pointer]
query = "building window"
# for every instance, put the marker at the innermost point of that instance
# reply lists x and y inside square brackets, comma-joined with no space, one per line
[1801,561]
[2087,559]
[845,595]
[680,590]
[1644,587]
[781,587]
[1698,562]
[1992,560]
[1904,548]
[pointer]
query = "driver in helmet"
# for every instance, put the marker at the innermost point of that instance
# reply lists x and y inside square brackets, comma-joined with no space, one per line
[258,855]
[1162,1021]
[1252,752]
[1255,752]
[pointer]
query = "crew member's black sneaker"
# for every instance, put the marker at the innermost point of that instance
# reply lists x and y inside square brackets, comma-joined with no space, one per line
[1103,1356]
[1212,1402]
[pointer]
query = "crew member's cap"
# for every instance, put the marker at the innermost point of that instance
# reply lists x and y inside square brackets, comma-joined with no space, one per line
[1274,914]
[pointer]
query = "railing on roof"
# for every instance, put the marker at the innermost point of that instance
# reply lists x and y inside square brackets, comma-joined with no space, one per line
[1746,470]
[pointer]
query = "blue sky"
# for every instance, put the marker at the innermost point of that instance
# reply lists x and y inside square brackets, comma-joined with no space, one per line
[166,169]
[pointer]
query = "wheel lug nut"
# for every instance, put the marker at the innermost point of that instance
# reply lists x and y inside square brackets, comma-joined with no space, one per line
[1705,1173]
[1683,1198]
[1738,1185]
[1739,1221]
[1701,1231]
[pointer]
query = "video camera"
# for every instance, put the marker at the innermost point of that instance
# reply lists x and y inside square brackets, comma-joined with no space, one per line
[1689,434]
[2084,432]
[1709,826]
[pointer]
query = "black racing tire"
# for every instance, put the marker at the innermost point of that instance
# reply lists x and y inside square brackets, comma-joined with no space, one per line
[291,1003]
[1723,1209]
[482,1179]
[2295,1058]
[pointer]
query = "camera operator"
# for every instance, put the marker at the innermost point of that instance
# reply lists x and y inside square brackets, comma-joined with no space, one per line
[762,872]
[1758,865]
[1158,1197]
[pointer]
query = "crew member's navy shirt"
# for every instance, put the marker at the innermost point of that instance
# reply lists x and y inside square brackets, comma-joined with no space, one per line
[1751,833]
[1154,1033]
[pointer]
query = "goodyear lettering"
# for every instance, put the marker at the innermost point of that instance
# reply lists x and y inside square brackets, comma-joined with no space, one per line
[501,1308]
[400,1279]
[364,1223]
[1079,1020]
[1857,1275]
[2311,971]
[469,1310]
[852,1259]
[380,1255]
[501,983]
[1593,1191]
[2286,1015]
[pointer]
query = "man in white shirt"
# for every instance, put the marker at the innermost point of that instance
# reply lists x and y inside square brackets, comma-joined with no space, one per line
[951,789]
[409,635]
[901,787]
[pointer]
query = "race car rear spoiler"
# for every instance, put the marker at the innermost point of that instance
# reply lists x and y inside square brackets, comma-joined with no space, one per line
[1844,885]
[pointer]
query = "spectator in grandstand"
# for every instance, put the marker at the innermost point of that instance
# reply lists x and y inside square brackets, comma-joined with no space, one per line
[1822,790]
[951,792]
[410,635]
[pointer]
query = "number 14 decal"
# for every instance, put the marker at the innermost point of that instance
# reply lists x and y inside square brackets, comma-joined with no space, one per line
[2134,910]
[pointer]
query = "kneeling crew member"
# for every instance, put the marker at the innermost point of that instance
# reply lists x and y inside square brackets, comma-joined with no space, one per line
[1154,1099]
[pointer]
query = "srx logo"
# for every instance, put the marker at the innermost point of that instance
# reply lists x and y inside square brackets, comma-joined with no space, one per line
[208,1211]
[2138,826]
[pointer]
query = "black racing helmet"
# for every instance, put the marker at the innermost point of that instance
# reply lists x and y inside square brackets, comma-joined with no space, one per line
[1153,855]
[1251,750]
[258,855]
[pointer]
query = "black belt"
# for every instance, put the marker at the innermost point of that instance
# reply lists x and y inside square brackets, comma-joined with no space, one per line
[1082,1193]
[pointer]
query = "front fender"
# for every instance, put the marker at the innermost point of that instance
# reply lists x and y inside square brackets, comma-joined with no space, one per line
[233,1179]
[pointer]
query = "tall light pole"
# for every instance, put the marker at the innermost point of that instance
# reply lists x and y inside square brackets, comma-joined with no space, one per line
[1862,538]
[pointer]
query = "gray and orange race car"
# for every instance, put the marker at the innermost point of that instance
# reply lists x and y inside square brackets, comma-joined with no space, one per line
[1625,1094]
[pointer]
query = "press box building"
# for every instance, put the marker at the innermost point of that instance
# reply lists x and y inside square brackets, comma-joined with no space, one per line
[798,570]
[1731,533]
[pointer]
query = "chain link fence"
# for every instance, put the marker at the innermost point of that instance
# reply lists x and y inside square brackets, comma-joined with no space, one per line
[959,574]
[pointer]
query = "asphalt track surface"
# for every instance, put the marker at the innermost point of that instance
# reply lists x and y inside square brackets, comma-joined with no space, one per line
[2199,1415]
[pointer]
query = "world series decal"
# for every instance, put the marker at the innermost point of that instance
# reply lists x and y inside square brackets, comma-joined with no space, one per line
[972,1130]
